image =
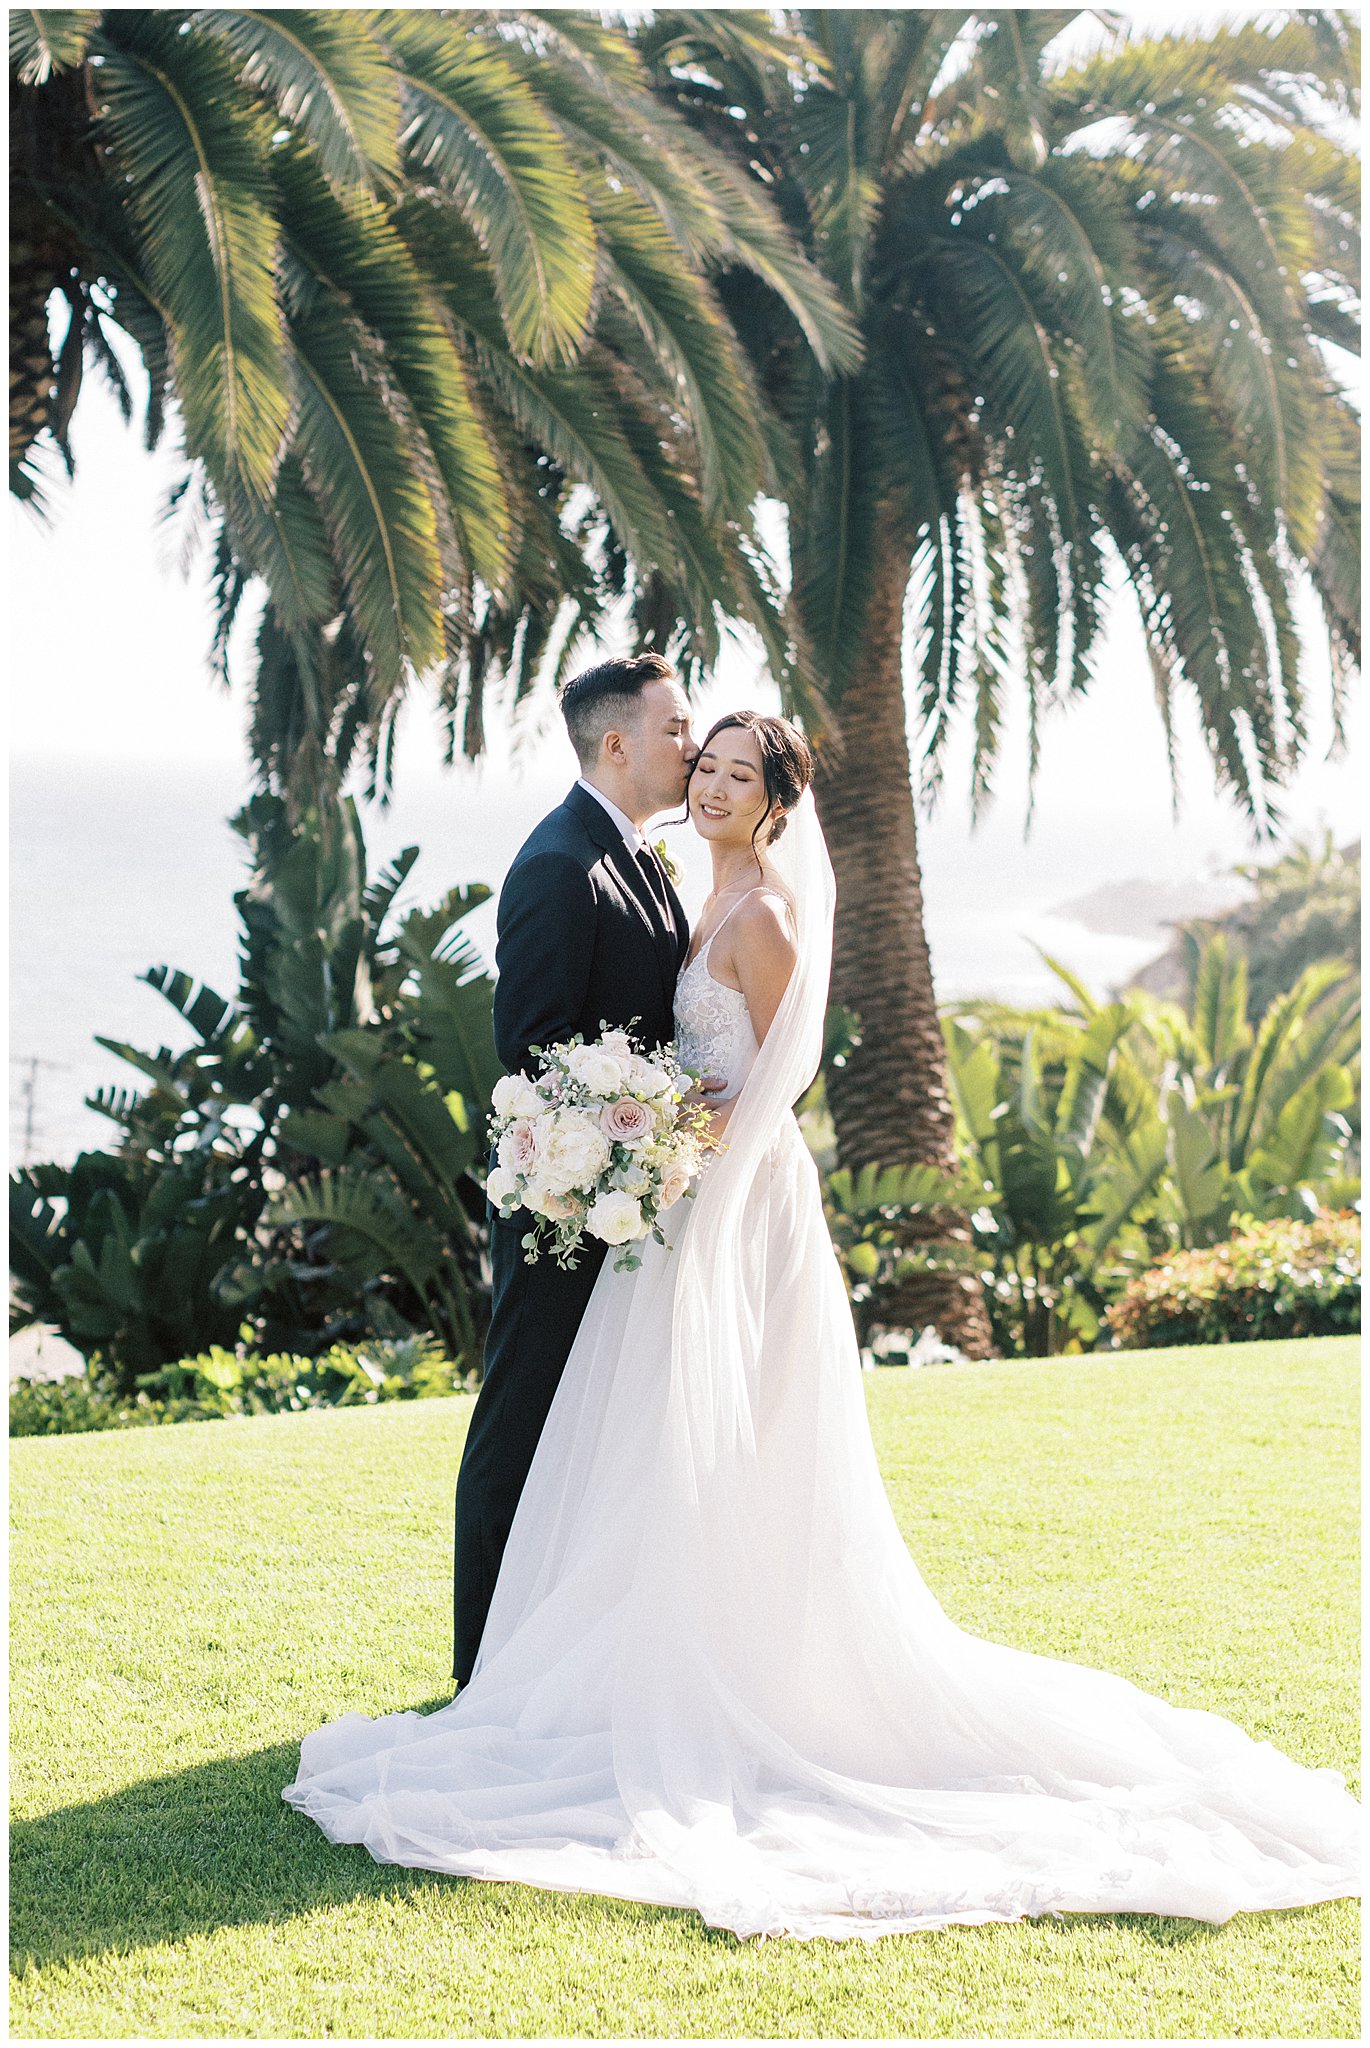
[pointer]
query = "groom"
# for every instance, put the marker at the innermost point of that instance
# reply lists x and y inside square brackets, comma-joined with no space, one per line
[591,933]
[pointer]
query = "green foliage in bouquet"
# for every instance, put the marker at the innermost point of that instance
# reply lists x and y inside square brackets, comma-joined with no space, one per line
[306,1164]
[1278,1279]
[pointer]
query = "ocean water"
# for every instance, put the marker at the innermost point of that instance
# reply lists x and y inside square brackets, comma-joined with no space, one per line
[119,867]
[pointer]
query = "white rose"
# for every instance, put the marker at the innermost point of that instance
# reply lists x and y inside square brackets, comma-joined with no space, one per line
[596,1070]
[573,1152]
[500,1185]
[615,1218]
[617,1044]
[645,1078]
[514,1095]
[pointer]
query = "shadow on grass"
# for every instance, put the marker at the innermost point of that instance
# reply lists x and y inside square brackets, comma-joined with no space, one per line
[216,1846]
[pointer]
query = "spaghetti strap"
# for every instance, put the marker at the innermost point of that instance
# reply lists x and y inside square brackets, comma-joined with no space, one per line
[737,906]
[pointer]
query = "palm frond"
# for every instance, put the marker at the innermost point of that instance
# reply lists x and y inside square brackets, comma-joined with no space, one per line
[834,536]
[1181,522]
[330,77]
[915,49]
[573,414]
[180,131]
[48,40]
[1262,381]
[357,247]
[358,462]
[476,127]
[371,1227]
[1005,82]
[1074,238]
[695,345]
[283,539]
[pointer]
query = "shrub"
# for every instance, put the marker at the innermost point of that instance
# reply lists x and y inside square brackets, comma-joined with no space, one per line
[1275,1279]
[312,1163]
[82,1401]
[220,1383]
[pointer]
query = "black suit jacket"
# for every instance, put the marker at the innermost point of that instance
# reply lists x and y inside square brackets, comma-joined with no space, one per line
[581,943]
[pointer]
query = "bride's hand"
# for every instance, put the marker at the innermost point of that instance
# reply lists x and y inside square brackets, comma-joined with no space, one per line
[697,1094]
[697,1097]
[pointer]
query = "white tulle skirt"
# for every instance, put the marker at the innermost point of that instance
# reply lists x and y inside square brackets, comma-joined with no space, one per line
[714,1678]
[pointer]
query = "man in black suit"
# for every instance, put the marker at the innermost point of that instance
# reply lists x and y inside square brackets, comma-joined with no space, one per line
[591,935]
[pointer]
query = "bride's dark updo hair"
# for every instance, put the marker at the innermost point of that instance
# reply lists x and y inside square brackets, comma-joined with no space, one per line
[786,763]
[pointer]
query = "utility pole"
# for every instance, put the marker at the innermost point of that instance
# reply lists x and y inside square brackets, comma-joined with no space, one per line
[29,1093]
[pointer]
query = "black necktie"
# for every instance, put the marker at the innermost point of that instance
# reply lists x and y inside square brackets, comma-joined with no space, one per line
[646,860]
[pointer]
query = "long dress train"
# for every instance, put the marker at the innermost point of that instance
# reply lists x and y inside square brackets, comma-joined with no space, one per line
[712,1675]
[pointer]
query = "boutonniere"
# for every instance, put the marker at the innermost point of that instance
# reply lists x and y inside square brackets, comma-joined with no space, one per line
[670,865]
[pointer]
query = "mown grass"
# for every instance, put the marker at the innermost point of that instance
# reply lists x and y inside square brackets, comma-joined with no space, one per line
[186,1602]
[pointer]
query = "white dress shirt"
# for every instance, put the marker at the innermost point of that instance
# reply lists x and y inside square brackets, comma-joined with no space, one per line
[635,839]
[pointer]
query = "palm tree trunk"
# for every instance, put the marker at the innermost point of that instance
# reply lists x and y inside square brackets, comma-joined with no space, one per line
[890,1100]
[36,269]
[49,143]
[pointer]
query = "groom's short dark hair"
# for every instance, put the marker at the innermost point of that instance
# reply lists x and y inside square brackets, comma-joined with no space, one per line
[592,700]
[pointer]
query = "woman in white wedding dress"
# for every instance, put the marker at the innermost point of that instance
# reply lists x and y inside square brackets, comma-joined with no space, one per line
[712,1675]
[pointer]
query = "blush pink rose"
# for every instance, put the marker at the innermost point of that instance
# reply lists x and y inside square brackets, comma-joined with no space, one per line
[673,1185]
[518,1148]
[626,1122]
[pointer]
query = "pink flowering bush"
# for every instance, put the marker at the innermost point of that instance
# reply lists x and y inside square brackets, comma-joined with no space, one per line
[1275,1279]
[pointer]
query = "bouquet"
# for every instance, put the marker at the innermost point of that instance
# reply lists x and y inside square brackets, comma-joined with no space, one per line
[598,1143]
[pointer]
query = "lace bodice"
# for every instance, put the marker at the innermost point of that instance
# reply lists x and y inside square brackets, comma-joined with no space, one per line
[713,1026]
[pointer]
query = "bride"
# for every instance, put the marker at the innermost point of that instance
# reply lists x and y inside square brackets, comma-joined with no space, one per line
[712,1675]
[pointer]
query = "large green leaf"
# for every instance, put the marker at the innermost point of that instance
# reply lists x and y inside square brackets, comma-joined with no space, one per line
[206,1012]
[975,1078]
[413,1104]
[1301,1145]
[1305,1029]
[1130,1177]
[372,1230]
[1219,1003]
[1201,1179]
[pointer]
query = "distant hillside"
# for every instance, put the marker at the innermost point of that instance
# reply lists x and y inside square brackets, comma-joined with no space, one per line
[1302,906]
[1140,909]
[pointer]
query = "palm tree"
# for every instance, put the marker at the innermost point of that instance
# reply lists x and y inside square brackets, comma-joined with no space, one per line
[428,292]
[1094,298]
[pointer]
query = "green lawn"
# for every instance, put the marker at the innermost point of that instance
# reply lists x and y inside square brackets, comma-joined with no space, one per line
[186,1602]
